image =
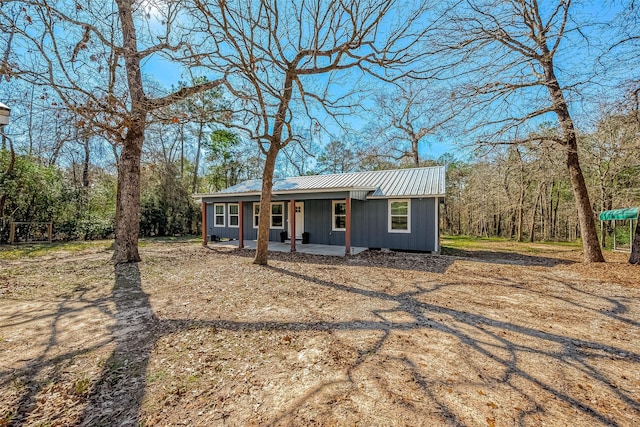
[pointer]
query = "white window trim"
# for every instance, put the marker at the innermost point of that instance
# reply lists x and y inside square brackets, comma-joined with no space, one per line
[216,215]
[389,229]
[271,227]
[230,215]
[333,215]
[254,215]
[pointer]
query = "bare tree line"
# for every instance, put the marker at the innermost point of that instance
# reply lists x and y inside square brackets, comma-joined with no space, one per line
[482,70]
[521,192]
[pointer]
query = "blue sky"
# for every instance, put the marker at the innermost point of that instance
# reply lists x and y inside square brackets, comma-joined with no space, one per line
[569,66]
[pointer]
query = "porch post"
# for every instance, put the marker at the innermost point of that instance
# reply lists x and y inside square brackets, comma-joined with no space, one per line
[292,223]
[347,232]
[240,226]
[204,223]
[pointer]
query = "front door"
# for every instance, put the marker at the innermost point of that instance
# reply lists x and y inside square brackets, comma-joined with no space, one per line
[299,220]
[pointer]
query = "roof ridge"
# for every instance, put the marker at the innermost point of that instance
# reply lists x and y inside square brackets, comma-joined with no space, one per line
[363,172]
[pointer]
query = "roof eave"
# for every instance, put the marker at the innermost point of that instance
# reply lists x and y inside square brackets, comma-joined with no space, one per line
[280,192]
[222,195]
[409,196]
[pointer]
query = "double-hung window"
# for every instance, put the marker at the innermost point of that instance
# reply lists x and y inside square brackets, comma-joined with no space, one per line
[276,216]
[218,215]
[256,214]
[399,216]
[339,215]
[234,215]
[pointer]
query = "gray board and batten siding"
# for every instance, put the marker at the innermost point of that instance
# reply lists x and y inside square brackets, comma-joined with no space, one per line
[369,224]
[370,193]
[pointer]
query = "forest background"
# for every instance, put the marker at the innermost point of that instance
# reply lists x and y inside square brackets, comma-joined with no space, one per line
[504,176]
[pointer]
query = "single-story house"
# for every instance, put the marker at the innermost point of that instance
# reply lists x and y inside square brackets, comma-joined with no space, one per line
[392,209]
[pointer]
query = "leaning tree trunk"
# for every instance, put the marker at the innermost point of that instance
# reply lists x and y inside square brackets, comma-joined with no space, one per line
[276,144]
[635,246]
[262,249]
[590,244]
[128,198]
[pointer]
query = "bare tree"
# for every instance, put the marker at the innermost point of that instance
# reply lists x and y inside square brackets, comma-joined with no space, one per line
[612,156]
[288,56]
[506,53]
[623,54]
[337,157]
[409,113]
[91,54]
[3,138]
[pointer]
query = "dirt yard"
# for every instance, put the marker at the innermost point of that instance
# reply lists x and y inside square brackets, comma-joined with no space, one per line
[504,335]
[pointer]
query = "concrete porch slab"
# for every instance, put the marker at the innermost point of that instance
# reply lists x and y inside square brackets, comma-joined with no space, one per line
[309,248]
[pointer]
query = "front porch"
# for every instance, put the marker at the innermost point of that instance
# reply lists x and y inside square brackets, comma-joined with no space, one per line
[325,225]
[311,248]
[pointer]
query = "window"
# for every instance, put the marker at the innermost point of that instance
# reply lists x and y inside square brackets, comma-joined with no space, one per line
[399,214]
[339,215]
[277,215]
[256,214]
[218,215]
[234,215]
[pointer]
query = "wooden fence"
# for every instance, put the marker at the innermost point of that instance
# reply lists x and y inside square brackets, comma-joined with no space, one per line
[16,225]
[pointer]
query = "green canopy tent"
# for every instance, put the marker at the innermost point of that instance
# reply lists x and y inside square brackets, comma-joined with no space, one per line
[626,214]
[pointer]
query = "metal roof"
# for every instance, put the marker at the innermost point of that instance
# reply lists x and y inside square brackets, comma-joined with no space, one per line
[627,213]
[415,182]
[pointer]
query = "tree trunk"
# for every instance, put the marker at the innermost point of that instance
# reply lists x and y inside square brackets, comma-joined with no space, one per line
[9,173]
[128,198]
[128,194]
[635,246]
[414,153]
[521,215]
[262,248]
[533,219]
[196,163]
[85,164]
[590,244]
[603,227]
[555,212]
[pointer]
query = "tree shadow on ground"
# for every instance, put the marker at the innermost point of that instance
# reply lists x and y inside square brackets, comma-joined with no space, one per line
[408,260]
[487,337]
[116,397]
[504,257]
[396,260]
[41,371]
[511,349]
